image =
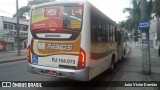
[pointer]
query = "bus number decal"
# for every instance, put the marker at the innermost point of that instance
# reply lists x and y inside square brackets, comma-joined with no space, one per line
[78,12]
[60,46]
[49,12]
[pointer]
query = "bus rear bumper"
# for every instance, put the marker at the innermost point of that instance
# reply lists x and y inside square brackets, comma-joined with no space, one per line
[81,75]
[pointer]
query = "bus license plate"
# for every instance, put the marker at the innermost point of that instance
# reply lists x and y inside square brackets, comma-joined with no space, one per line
[50,72]
[63,61]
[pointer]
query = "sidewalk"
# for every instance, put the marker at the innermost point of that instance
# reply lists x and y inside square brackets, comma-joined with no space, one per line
[132,68]
[10,56]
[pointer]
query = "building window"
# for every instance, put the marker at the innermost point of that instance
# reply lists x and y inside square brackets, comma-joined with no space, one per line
[156,42]
[15,27]
[11,26]
[20,27]
[5,26]
[15,33]
[25,28]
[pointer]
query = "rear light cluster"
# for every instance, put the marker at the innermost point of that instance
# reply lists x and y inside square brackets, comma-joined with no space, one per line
[82,59]
[29,54]
[52,30]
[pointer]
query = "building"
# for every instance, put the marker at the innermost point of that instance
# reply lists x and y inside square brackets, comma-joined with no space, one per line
[154,43]
[8,32]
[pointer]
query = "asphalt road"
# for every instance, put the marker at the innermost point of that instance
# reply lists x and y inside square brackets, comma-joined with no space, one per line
[17,71]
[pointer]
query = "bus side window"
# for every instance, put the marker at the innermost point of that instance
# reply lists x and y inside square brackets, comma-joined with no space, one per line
[115,34]
[103,31]
[108,32]
[119,38]
[94,27]
[99,31]
[106,29]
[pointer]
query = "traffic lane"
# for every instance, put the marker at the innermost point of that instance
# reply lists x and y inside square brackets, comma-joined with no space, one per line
[21,74]
[17,71]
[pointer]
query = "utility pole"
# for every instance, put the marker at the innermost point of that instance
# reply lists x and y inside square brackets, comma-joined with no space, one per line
[18,38]
[146,65]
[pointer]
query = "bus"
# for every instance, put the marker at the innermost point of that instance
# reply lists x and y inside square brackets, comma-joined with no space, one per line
[72,40]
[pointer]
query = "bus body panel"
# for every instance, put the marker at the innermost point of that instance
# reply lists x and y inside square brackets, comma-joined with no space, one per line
[99,66]
[86,37]
[81,75]
[43,62]
[93,65]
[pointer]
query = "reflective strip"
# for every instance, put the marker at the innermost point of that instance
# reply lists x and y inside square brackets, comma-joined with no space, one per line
[53,35]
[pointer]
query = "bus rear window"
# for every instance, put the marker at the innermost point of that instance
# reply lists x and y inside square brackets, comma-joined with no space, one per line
[57,17]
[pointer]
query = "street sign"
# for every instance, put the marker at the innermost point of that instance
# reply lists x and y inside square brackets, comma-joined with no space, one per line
[144,24]
[158,31]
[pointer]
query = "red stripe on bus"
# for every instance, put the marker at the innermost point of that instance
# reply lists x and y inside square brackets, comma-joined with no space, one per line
[98,56]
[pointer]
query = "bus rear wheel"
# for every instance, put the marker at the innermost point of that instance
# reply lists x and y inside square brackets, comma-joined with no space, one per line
[124,53]
[112,64]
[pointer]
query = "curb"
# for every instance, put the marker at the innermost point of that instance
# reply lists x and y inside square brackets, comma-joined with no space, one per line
[13,60]
[129,51]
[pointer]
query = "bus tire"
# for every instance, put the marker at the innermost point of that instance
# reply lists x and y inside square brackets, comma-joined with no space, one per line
[159,51]
[124,53]
[112,64]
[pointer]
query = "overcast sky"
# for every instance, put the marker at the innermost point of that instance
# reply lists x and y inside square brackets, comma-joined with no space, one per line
[112,8]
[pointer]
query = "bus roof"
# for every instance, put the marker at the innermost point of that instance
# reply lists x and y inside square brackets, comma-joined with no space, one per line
[65,2]
[53,3]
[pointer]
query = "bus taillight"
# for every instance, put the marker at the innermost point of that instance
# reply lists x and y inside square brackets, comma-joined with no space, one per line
[29,54]
[81,4]
[82,59]
[52,30]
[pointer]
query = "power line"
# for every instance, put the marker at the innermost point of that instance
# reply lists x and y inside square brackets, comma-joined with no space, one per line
[6,12]
[8,3]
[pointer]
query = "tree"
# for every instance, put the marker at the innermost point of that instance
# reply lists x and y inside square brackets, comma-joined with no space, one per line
[135,14]
[149,8]
[156,9]
[23,11]
[36,2]
[127,24]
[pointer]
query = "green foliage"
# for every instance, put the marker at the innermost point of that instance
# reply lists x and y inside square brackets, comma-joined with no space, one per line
[149,8]
[127,24]
[132,21]
[135,13]
[36,2]
[22,11]
[25,9]
[156,7]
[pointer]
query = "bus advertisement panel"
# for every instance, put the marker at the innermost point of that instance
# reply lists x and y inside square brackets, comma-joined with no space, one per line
[49,25]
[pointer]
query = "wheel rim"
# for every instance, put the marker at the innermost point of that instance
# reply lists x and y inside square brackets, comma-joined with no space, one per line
[112,66]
